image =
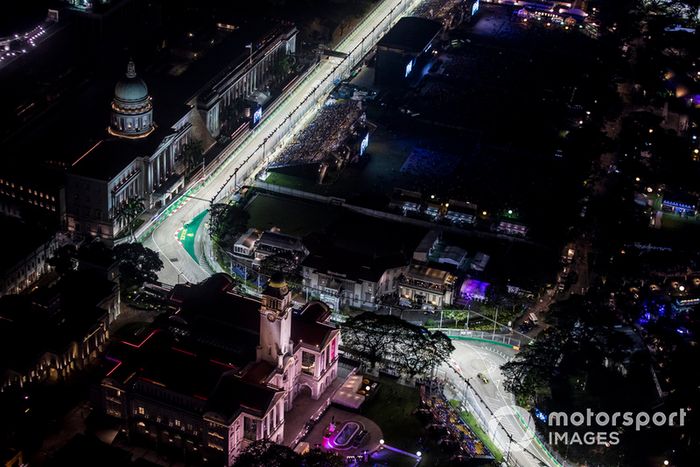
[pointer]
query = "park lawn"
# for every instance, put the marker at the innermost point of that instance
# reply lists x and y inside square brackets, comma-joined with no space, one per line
[293,216]
[393,410]
[470,420]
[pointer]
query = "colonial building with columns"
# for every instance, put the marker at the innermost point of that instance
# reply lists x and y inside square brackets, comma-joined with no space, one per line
[139,154]
[222,370]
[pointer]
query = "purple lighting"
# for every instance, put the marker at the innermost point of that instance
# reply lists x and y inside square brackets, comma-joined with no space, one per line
[472,288]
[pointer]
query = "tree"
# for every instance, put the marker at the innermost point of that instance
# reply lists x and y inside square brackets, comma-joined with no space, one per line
[283,67]
[63,259]
[128,211]
[414,350]
[265,453]
[192,154]
[456,315]
[366,338]
[227,221]
[418,351]
[319,458]
[529,375]
[137,264]
[285,262]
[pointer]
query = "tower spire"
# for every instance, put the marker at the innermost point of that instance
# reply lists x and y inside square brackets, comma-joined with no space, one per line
[131,69]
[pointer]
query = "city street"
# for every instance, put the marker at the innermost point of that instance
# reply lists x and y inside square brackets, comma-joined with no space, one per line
[496,406]
[248,156]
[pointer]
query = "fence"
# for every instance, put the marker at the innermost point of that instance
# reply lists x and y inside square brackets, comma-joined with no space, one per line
[457,387]
[503,340]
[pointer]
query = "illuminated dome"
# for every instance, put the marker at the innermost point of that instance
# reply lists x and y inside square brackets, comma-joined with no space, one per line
[132,110]
[131,88]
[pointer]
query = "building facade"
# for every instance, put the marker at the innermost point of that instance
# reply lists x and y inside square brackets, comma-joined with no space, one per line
[222,370]
[424,285]
[140,158]
[55,330]
[345,279]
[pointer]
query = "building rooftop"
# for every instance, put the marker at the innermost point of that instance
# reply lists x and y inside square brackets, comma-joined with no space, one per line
[351,265]
[76,125]
[190,370]
[411,34]
[280,240]
[427,274]
[206,350]
[23,239]
[50,318]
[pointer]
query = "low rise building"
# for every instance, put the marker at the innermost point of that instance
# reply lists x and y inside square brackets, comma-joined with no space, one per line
[426,246]
[274,242]
[461,212]
[245,245]
[56,329]
[221,371]
[26,258]
[510,227]
[426,285]
[342,278]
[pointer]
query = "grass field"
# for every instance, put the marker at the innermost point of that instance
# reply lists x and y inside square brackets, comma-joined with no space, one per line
[470,420]
[291,216]
[392,409]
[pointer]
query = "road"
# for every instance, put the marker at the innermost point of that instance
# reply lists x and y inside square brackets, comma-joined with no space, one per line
[291,113]
[497,406]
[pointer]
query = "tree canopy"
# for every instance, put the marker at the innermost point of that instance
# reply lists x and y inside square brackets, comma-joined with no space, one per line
[63,258]
[137,264]
[265,453]
[227,221]
[412,349]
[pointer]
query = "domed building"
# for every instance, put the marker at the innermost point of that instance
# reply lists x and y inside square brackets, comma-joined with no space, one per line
[132,109]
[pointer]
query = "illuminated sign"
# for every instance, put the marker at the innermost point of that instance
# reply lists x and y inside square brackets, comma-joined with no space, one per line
[475,7]
[257,116]
[409,67]
[364,144]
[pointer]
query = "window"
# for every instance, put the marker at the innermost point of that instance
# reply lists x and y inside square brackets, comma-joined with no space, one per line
[178,423]
[141,411]
[250,428]
[307,362]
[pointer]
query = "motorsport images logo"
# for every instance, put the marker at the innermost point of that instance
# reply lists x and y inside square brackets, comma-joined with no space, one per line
[603,428]
[587,428]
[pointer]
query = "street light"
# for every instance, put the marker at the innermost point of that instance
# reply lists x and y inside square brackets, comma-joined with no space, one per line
[418,453]
[381,442]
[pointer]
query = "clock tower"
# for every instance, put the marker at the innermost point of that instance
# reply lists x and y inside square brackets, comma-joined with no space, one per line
[275,322]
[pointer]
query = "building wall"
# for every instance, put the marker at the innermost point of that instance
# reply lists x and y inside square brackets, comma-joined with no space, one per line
[27,271]
[321,373]
[87,207]
[359,294]
[16,195]
[53,367]
[391,66]
[431,297]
